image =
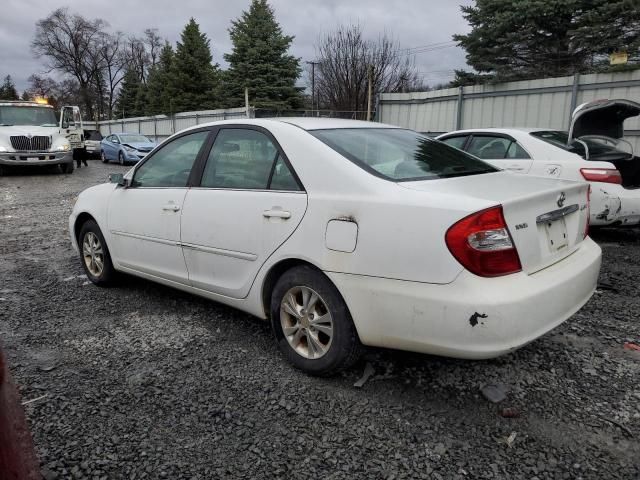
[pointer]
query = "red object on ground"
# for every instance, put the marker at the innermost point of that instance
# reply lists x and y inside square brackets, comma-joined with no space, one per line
[18,459]
[631,346]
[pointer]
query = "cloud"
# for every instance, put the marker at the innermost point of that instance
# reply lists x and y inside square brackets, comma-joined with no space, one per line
[412,22]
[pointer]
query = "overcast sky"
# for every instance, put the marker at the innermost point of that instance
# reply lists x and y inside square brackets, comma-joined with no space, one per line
[414,23]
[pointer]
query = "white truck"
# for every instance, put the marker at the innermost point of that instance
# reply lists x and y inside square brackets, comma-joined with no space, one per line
[31,135]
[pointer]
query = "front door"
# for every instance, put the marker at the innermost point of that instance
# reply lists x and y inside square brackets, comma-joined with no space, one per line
[248,203]
[144,219]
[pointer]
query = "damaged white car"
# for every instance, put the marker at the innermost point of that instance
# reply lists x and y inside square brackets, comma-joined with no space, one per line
[345,233]
[592,150]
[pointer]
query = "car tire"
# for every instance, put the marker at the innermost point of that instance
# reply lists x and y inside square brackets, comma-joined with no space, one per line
[103,157]
[320,339]
[120,158]
[67,167]
[94,255]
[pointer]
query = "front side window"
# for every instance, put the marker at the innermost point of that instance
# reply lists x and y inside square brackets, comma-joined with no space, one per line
[244,159]
[171,165]
[401,155]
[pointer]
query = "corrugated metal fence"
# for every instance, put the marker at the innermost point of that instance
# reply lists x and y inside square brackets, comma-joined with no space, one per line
[159,127]
[544,103]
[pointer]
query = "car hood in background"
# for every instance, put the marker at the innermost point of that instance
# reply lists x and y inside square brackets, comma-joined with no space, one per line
[141,146]
[602,118]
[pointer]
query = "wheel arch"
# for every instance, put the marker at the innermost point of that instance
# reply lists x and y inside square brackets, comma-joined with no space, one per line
[275,272]
[81,219]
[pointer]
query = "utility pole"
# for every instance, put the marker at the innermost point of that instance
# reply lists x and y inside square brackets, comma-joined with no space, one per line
[370,93]
[313,84]
[246,101]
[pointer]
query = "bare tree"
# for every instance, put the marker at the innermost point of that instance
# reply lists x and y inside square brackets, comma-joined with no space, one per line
[71,43]
[345,58]
[153,44]
[137,57]
[114,63]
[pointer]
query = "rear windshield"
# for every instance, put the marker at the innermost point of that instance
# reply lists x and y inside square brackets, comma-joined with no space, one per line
[560,139]
[93,135]
[401,155]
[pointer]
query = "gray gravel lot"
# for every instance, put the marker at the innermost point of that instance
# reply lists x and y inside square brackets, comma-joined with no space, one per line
[142,381]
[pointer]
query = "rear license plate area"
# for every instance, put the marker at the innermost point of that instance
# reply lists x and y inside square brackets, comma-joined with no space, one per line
[556,231]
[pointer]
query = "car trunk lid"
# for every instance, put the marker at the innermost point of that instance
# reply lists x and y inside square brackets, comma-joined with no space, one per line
[547,218]
[601,118]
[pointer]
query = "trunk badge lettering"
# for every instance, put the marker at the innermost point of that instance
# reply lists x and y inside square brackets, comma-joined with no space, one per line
[561,199]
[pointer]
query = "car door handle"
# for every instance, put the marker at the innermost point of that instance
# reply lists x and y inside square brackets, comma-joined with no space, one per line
[276,214]
[171,207]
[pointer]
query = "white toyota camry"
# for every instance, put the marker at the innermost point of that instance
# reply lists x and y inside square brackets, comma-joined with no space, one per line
[593,150]
[345,233]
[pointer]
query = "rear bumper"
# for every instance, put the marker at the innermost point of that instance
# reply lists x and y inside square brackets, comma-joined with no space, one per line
[36,158]
[614,205]
[471,317]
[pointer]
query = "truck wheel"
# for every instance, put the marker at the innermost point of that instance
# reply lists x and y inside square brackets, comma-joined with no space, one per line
[66,167]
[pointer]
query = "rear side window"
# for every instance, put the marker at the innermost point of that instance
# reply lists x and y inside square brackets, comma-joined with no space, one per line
[495,148]
[401,155]
[248,160]
[457,142]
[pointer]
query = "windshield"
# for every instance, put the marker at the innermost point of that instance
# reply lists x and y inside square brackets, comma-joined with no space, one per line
[401,155]
[134,139]
[596,148]
[27,115]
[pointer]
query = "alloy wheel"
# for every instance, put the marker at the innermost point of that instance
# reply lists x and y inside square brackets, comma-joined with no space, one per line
[306,322]
[93,254]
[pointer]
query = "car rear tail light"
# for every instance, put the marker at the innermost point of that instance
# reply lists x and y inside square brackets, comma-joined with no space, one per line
[482,243]
[605,175]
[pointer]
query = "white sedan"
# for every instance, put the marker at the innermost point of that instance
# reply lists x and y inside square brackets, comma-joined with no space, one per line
[344,234]
[592,150]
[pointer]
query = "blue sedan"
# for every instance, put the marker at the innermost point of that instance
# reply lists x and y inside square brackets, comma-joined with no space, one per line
[125,147]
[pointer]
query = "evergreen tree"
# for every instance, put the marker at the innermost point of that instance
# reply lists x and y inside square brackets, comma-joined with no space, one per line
[194,81]
[126,105]
[159,91]
[8,90]
[514,39]
[26,96]
[260,61]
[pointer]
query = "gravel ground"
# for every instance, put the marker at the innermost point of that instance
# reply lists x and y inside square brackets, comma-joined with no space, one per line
[142,381]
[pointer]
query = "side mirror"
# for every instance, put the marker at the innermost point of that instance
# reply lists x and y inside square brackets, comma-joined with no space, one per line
[118,179]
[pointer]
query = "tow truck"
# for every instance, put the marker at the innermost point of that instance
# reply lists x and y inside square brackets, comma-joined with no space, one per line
[30,134]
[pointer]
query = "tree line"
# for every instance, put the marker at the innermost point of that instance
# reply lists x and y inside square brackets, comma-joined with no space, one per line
[527,39]
[112,75]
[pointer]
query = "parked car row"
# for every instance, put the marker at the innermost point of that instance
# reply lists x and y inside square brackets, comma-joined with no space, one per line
[593,150]
[344,233]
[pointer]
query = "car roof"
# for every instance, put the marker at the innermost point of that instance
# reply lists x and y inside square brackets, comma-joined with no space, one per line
[305,123]
[505,131]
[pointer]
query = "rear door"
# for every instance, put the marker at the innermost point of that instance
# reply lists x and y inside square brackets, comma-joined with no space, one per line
[144,219]
[501,151]
[248,202]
